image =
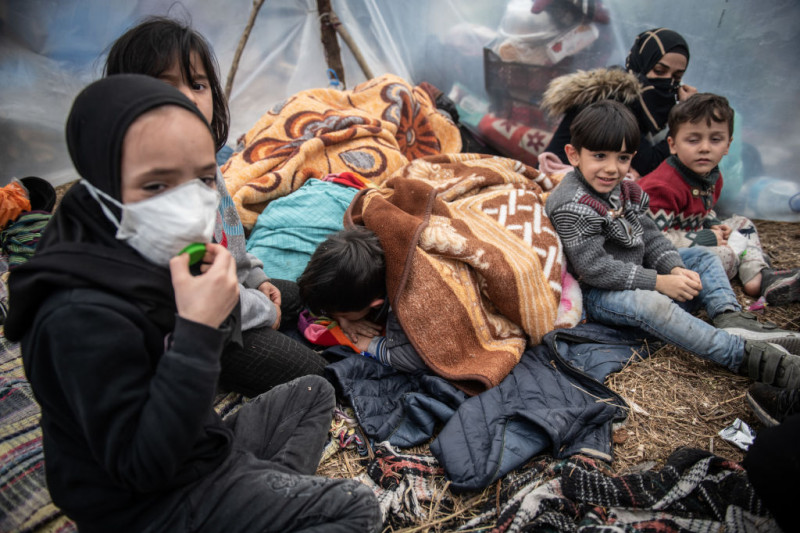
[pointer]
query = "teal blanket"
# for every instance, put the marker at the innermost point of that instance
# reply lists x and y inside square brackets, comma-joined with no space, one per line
[288,231]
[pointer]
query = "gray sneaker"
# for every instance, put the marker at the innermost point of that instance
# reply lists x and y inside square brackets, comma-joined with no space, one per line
[746,325]
[770,364]
[780,287]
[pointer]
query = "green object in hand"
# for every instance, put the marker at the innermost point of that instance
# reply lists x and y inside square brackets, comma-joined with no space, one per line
[196,251]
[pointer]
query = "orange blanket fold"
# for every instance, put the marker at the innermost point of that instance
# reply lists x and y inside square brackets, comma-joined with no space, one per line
[473,264]
[371,131]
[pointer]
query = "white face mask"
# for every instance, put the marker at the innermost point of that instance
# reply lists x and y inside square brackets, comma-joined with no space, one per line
[160,227]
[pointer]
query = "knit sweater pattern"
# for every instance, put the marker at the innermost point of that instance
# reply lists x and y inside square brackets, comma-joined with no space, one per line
[682,202]
[609,240]
[257,309]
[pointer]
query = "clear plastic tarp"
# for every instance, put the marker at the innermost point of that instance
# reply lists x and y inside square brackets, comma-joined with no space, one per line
[743,49]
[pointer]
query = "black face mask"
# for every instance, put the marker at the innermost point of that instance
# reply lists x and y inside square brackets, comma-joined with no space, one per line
[658,97]
[665,86]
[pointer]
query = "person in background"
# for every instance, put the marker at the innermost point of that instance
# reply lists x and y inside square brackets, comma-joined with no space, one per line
[650,86]
[121,342]
[173,52]
[684,190]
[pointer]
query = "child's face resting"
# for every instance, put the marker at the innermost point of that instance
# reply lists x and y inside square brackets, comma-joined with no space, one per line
[198,91]
[701,145]
[162,149]
[603,169]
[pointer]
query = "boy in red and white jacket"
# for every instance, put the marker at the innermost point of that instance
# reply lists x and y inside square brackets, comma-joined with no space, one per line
[685,188]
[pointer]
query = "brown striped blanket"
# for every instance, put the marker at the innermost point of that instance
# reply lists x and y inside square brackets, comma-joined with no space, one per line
[474,266]
[371,131]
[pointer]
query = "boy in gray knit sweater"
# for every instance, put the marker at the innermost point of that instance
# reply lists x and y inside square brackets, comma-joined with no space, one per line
[632,275]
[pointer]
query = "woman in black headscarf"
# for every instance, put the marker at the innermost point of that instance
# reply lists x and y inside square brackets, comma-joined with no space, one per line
[121,343]
[650,87]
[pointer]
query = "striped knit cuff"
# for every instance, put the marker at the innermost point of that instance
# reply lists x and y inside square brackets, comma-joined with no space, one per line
[705,237]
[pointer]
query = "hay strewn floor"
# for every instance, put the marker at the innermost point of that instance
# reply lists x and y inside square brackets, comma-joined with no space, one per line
[679,401]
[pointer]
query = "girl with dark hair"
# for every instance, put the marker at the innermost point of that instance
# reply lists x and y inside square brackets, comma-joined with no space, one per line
[164,48]
[650,86]
[121,343]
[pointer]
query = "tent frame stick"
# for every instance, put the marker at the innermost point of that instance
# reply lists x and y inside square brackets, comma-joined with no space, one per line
[240,48]
[351,44]
[333,55]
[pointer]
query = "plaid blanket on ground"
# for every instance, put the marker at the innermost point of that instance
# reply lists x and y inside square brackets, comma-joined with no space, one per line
[474,268]
[371,131]
[25,504]
[404,485]
[695,492]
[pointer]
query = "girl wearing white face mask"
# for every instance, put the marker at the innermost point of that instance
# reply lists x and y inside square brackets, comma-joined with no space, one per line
[174,53]
[122,343]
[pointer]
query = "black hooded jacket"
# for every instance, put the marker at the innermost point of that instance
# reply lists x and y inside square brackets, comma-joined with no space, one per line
[126,386]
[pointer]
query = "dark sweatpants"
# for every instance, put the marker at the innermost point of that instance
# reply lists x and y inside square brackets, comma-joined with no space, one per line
[270,357]
[266,484]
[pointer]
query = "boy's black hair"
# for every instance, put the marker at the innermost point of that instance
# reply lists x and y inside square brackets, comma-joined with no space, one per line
[347,272]
[151,46]
[701,106]
[604,126]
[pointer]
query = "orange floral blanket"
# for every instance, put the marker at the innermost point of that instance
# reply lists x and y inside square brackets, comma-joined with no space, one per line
[474,269]
[371,131]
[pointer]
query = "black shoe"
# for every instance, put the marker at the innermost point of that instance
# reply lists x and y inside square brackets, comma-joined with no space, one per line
[772,404]
[771,364]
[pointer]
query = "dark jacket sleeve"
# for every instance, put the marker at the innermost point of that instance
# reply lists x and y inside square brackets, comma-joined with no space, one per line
[140,416]
[649,156]
[395,349]
[561,137]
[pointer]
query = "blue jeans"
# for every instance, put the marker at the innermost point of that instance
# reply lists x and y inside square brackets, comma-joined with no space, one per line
[672,321]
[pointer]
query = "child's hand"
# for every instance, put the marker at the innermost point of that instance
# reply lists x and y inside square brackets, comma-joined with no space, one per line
[358,329]
[274,294]
[363,343]
[722,238]
[277,323]
[691,274]
[685,91]
[726,230]
[211,296]
[679,287]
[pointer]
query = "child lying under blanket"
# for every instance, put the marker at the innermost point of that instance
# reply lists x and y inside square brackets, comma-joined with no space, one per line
[462,233]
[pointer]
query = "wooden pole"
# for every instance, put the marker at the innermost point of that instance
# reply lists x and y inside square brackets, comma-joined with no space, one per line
[339,27]
[333,55]
[239,49]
